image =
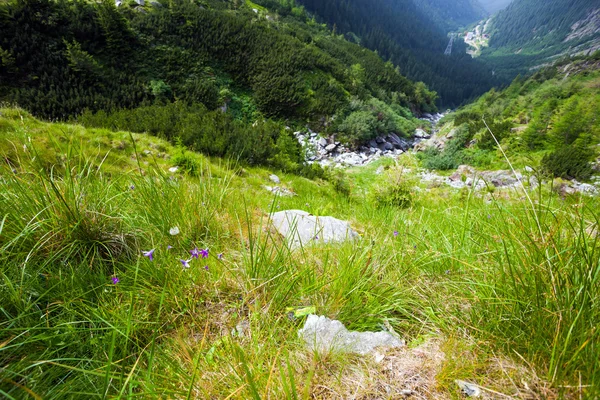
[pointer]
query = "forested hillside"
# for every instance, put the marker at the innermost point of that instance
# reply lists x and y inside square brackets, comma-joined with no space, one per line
[451,14]
[526,34]
[182,61]
[492,6]
[400,32]
[550,120]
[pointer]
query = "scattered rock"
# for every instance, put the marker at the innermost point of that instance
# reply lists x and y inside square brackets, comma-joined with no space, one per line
[280,191]
[242,328]
[324,335]
[468,389]
[322,142]
[330,147]
[421,134]
[301,228]
[275,179]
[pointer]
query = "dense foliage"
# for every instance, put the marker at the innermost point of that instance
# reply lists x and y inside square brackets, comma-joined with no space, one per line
[550,118]
[400,32]
[451,14]
[62,58]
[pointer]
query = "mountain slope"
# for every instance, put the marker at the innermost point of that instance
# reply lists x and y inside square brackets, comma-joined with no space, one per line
[450,15]
[401,33]
[549,121]
[493,6]
[526,35]
[61,58]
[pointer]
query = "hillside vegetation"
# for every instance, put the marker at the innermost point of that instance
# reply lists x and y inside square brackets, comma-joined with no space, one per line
[405,34]
[96,300]
[62,59]
[547,121]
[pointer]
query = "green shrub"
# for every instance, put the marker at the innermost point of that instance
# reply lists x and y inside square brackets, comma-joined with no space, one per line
[393,191]
[337,177]
[359,126]
[453,154]
[569,162]
[187,161]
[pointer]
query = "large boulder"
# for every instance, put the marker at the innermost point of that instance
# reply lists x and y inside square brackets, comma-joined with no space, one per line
[300,228]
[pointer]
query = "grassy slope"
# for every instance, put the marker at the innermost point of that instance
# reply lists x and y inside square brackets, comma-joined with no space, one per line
[475,283]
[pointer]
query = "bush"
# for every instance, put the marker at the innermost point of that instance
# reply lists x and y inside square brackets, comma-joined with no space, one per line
[569,162]
[337,177]
[452,156]
[186,160]
[394,191]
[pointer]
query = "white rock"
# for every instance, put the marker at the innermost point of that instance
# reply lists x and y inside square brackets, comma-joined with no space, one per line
[301,228]
[275,179]
[173,169]
[324,335]
[421,134]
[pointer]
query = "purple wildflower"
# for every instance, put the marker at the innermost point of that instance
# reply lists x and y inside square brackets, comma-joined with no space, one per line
[185,263]
[395,233]
[149,254]
[115,280]
[195,253]
[220,256]
[169,247]
[206,267]
[132,187]
[204,253]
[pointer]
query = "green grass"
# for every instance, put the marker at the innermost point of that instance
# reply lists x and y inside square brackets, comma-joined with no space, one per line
[509,291]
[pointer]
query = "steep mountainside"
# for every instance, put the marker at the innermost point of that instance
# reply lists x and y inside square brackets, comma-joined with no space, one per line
[403,34]
[451,14]
[528,34]
[492,6]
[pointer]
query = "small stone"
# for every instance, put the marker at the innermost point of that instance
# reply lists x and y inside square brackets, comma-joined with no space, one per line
[468,389]
[173,169]
[275,179]
[330,147]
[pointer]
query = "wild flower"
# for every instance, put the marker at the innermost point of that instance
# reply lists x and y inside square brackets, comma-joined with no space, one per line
[169,247]
[185,263]
[204,253]
[115,280]
[149,254]
[132,187]
[395,233]
[206,267]
[195,253]
[220,256]
[174,231]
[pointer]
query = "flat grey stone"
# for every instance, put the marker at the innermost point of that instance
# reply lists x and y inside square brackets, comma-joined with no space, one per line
[301,228]
[275,179]
[324,335]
